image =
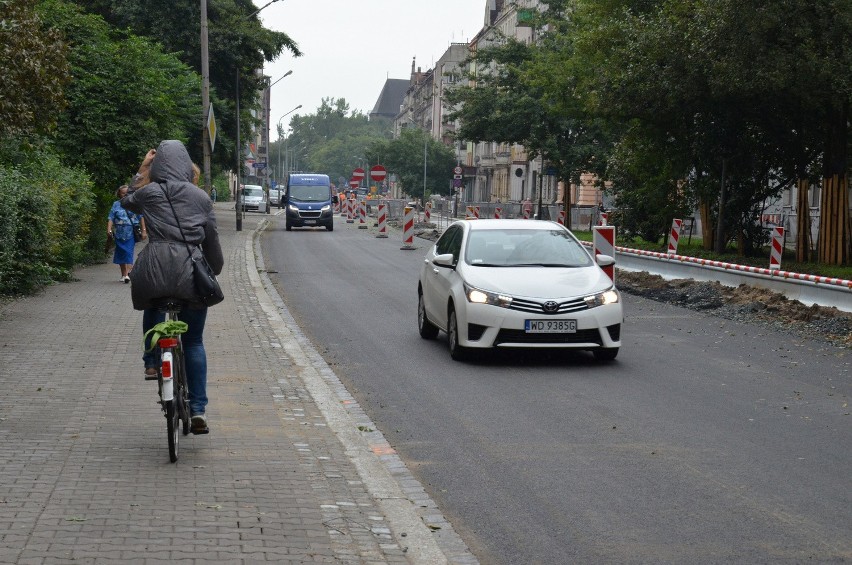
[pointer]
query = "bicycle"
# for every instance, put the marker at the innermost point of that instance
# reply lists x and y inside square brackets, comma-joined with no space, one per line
[171,373]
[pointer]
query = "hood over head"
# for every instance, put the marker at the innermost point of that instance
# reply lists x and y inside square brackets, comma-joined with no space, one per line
[171,163]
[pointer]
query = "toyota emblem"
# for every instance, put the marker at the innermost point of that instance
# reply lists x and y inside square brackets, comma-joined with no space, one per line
[550,306]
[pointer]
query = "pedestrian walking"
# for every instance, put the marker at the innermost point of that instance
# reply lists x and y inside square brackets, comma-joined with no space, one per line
[122,226]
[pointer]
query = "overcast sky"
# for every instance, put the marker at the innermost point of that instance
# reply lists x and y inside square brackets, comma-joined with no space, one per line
[350,47]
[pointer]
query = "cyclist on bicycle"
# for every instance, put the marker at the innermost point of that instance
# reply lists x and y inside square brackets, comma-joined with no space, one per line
[163,268]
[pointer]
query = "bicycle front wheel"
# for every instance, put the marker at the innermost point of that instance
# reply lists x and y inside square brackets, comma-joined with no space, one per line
[173,428]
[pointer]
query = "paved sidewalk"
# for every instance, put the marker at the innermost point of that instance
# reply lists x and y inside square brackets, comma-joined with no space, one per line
[291,471]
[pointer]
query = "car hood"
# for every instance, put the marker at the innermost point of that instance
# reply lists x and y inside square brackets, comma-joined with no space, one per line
[538,282]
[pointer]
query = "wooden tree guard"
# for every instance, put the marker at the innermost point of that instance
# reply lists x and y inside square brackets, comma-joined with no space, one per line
[834,229]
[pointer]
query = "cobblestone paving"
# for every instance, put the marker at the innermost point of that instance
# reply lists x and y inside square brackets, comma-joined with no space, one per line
[84,470]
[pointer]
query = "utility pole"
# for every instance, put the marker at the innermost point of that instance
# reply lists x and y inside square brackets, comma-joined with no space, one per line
[205,96]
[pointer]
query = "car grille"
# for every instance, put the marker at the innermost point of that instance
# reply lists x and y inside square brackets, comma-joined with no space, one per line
[534,307]
[520,336]
[310,214]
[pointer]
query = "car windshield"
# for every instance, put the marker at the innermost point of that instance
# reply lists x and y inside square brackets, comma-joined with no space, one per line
[309,192]
[254,191]
[524,248]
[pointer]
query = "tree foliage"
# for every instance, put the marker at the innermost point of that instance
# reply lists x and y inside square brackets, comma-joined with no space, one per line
[406,156]
[238,45]
[34,69]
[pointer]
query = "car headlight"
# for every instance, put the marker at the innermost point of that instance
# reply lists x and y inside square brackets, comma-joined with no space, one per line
[293,208]
[602,298]
[326,208]
[478,296]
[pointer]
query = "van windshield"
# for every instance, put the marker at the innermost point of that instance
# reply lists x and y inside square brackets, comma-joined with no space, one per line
[310,192]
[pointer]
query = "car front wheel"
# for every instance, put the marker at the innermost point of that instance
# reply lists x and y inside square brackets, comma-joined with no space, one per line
[457,352]
[427,329]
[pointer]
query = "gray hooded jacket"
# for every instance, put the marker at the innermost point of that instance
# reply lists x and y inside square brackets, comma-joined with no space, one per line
[163,268]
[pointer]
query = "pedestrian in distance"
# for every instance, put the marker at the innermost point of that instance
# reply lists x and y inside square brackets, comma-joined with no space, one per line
[175,209]
[213,193]
[121,227]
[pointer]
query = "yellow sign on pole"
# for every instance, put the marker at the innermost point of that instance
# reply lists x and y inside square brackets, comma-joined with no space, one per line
[211,128]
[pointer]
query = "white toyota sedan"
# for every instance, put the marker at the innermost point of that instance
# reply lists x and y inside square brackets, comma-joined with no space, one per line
[517,283]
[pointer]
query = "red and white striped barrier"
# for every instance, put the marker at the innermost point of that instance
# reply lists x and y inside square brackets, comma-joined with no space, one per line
[604,219]
[498,213]
[350,211]
[362,215]
[427,213]
[527,212]
[472,213]
[674,236]
[777,248]
[561,218]
[603,243]
[383,220]
[408,229]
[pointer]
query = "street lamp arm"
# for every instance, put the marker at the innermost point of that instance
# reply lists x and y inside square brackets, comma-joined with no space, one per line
[261,9]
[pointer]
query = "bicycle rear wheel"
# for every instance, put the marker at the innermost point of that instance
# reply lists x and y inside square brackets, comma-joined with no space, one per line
[172,427]
[182,393]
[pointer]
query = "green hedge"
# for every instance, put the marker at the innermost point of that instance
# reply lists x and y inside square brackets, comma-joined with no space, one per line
[46,215]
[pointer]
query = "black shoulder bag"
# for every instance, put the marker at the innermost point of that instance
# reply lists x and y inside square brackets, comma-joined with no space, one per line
[206,286]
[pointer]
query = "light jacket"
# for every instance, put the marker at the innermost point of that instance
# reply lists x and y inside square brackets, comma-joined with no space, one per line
[163,268]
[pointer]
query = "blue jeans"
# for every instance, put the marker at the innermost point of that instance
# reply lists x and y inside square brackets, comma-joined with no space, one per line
[195,358]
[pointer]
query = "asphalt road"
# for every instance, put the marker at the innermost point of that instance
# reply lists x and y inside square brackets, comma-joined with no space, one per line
[707,441]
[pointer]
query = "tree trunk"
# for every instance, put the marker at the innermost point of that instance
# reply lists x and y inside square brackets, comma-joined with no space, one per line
[706,225]
[803,221]
[835,232]
[720,220]
[566,202]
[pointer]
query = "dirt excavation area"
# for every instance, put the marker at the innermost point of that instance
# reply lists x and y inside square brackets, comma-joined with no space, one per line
[744,303]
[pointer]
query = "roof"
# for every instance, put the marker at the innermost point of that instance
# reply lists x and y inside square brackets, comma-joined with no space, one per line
[391,98]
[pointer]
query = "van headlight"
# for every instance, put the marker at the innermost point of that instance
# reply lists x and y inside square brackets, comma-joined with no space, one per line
[326,208]
[293,208]
[602,298]
[478,296]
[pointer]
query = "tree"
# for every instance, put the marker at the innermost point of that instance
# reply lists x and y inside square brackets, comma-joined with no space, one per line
[405,156]
[34,69]
[238,45]
[126,96]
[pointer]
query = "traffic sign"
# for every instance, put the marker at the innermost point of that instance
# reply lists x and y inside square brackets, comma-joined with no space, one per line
[457,171]
[378,173]
[457,177]
[353,182]
[358,173]
[259,165]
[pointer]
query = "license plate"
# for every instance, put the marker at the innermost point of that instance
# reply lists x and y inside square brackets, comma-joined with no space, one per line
[310,222]
[551,326]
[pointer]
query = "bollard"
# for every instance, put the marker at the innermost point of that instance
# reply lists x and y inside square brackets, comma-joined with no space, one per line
[527,213]
[469,215]
[777,248]
[350,211]
[604,219]
[561,218]
[383,220]
[408,229]
[674,236]
[498,213]
[362,215]
[603,243]
[427,212]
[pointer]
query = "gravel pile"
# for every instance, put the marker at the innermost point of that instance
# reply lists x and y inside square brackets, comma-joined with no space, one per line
[744,304]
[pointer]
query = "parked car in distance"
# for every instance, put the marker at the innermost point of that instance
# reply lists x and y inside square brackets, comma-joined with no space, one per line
[517,284]
[274,197]
[253,198]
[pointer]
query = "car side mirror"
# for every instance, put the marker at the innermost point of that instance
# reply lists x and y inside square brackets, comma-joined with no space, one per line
[285,199]
[445,260]
[604,260]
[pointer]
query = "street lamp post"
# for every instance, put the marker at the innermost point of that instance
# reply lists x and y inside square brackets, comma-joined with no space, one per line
[279,138]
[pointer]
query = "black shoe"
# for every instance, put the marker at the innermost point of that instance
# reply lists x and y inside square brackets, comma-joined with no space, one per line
[198,424]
